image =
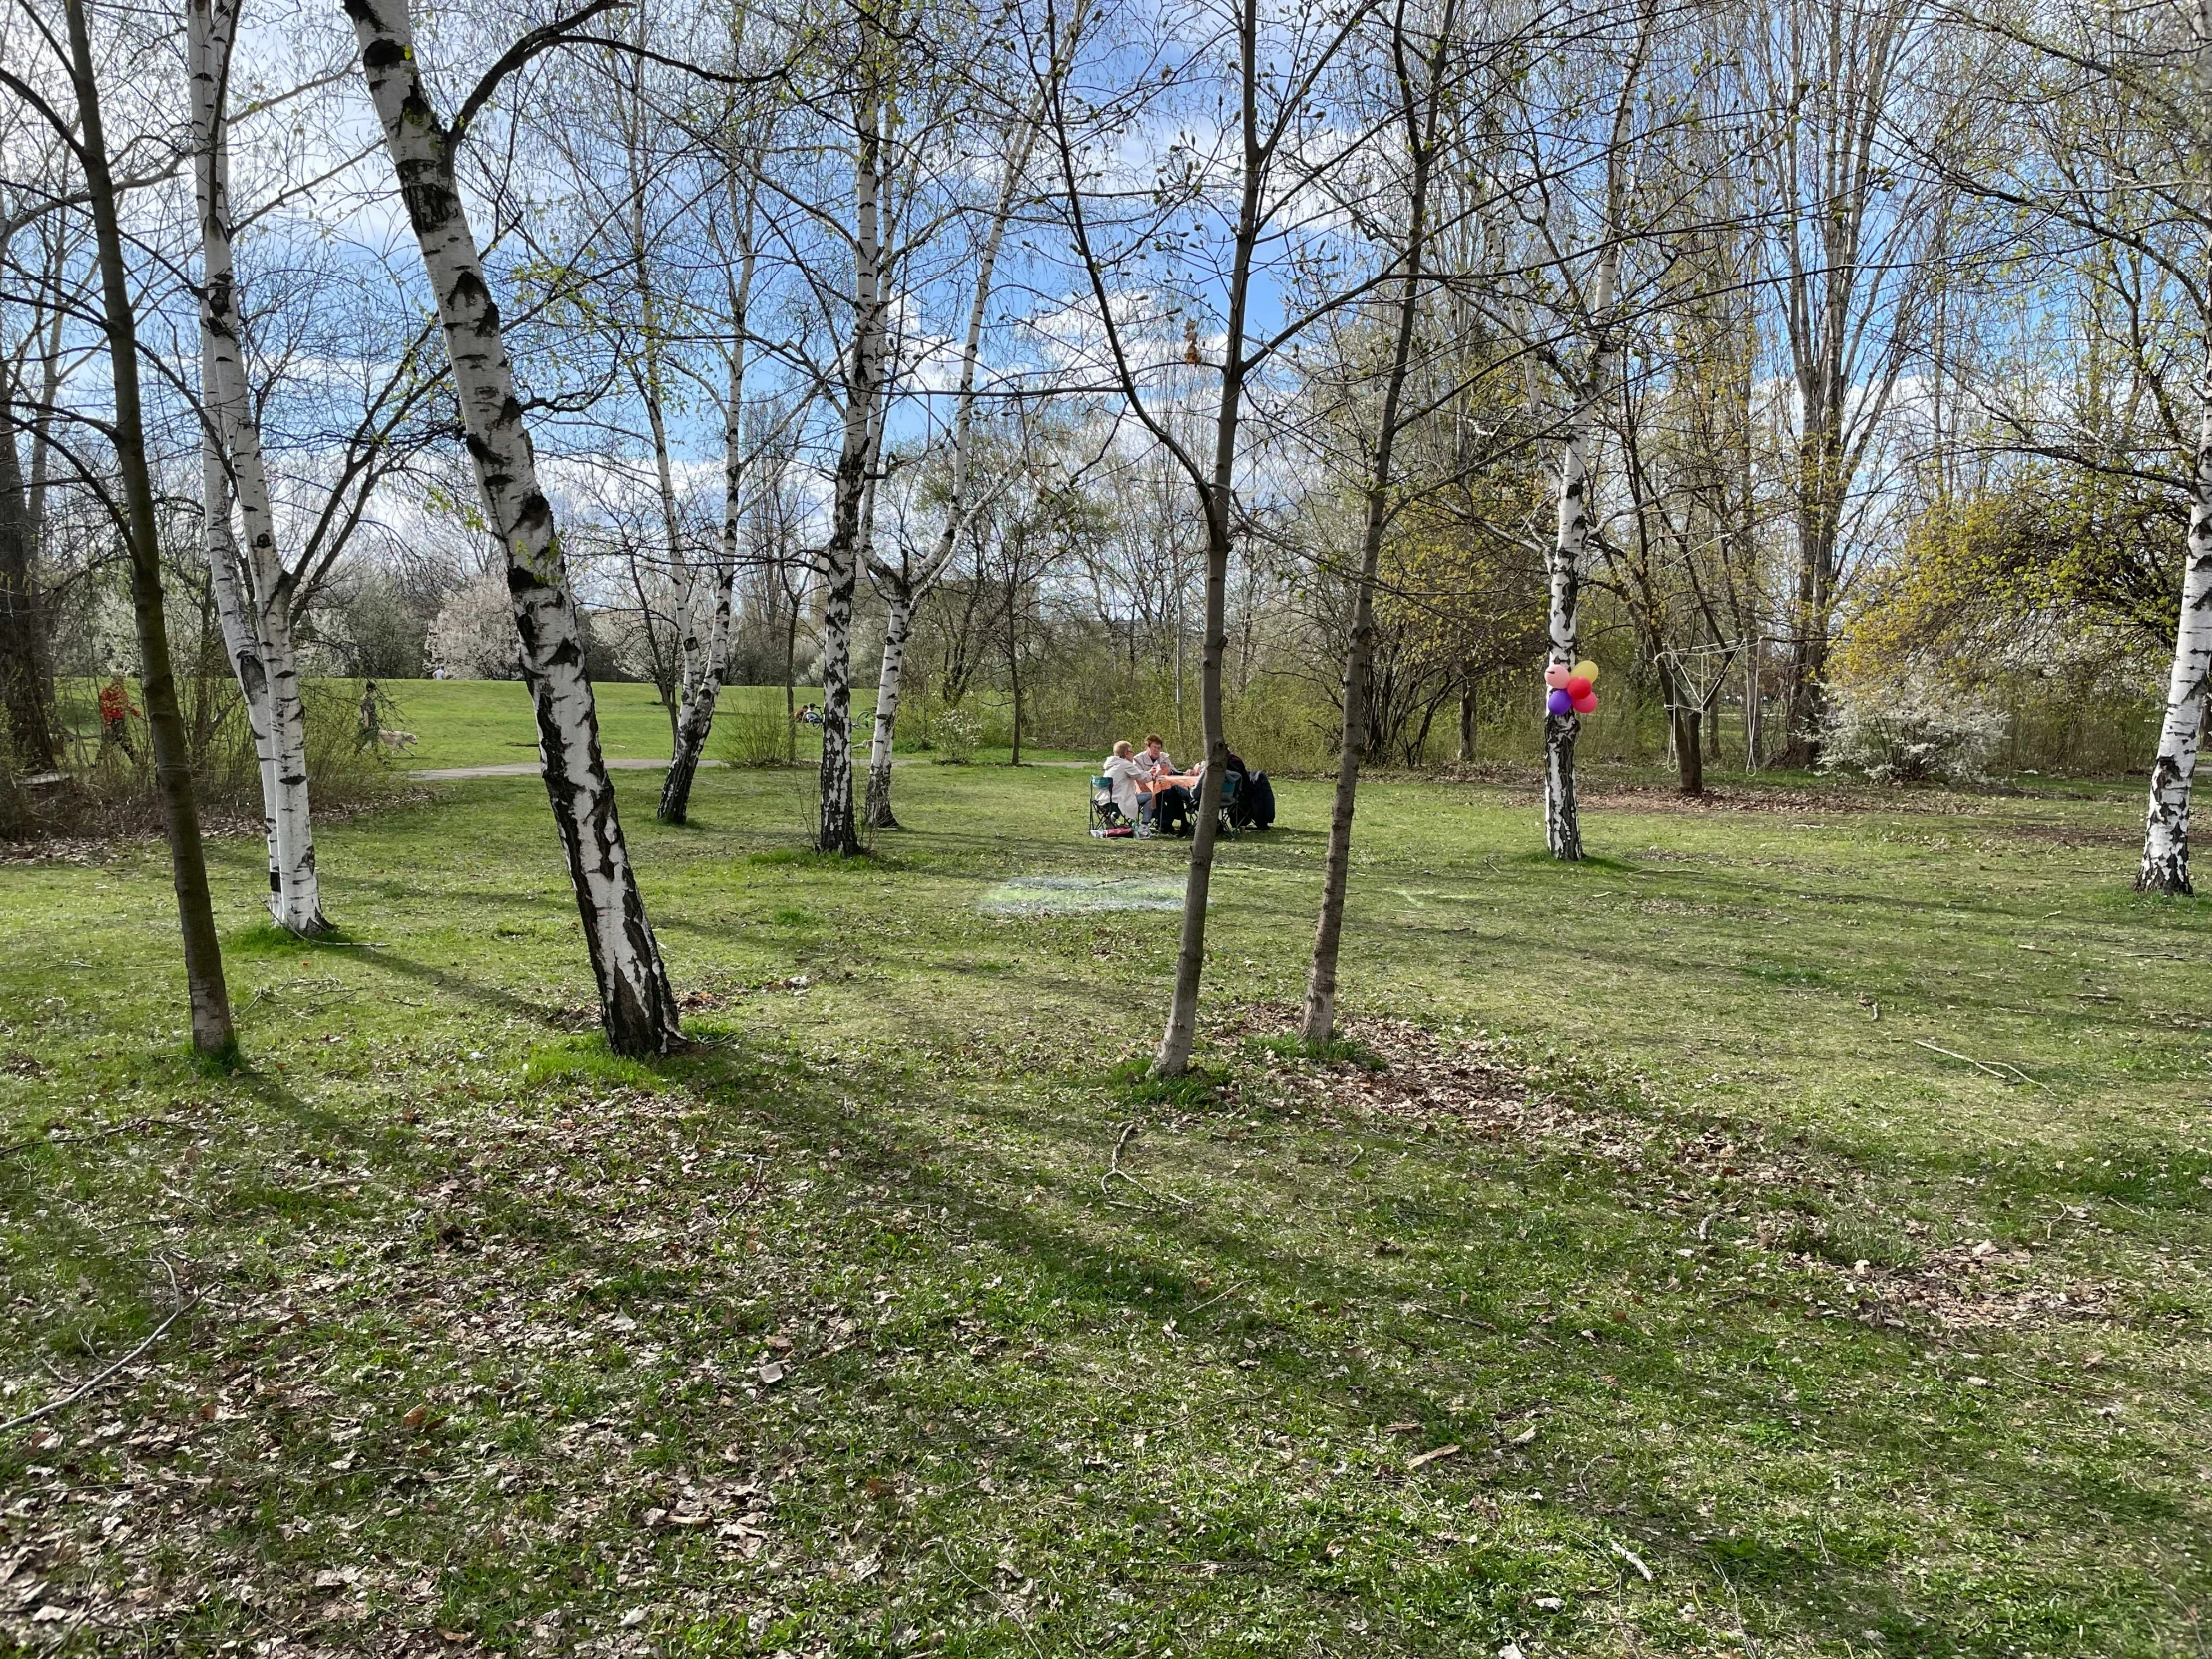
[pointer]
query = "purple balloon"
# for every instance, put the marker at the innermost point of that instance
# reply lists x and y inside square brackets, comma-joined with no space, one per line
[1559,702]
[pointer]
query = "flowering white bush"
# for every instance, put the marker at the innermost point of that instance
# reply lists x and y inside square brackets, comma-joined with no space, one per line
[1909,732]
[474,637]
[957,732]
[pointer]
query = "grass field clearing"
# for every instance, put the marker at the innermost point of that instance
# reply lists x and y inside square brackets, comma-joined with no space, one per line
[1783,1234]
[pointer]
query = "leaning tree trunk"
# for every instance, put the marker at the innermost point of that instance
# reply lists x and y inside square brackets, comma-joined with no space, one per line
[838,828]
[702,677]
[1320,1022]
[896,629]
[908,588]
[208,997]
[696,716]
[2166,826]
[239,643]
[636,1004]
[257,618]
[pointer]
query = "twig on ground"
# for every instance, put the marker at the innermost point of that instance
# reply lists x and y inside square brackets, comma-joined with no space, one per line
[1006,1606]
[123,1128]
[91,1383]
[1113,1158]
[1457,1318]
[1113,1168]
[1751,1647]
[1992,1067]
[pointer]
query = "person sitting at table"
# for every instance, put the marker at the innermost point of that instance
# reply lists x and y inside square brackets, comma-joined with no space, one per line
[1132,786]
[1176,798]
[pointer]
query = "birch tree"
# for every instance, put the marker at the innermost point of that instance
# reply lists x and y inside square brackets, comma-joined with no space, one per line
[2108,169]
[1584,365]
[704,655]
[837,827]
[637,1007]
[906,585]
[253,595]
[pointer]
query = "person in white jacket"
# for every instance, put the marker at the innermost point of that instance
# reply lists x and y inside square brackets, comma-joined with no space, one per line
[1131,785]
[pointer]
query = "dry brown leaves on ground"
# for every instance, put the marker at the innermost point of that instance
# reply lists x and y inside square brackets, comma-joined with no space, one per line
[1732,1183]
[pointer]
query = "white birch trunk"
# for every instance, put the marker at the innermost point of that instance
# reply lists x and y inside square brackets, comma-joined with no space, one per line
[1570,553]
[906,590]
[262,608]
[701,684]
[636,1004]
[239,646]
[838,829]
[2166,826]
[897,630]
[689,644]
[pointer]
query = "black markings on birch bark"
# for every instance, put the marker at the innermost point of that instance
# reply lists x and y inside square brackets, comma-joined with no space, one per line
[838,828]
[906,587]
[636,1004]
[702,680]
[252,594]
[2165,866]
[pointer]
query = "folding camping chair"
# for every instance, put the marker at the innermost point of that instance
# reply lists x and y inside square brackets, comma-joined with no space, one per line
[1230,820]
[1106,817]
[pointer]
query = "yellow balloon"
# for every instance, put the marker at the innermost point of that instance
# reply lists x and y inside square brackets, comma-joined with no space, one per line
[1587,670]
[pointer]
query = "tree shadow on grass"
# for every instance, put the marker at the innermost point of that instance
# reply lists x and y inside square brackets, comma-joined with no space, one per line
[1289,1331]
[476,992]
[1099,1260]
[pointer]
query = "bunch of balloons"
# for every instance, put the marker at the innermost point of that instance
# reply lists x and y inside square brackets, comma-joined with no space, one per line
[1573,690]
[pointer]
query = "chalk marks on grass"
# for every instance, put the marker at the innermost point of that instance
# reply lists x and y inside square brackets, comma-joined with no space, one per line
[1079,895]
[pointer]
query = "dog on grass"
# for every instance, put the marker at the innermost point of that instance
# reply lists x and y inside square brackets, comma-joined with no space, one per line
[396,740]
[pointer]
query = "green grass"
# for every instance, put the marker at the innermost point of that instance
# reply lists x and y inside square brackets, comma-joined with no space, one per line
[1633,1181]
[469,723]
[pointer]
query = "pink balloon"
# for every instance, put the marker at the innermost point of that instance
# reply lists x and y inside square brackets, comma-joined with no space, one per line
[1556,676]
[1586,705]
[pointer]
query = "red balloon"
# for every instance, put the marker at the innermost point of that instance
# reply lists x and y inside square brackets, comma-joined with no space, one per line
[1586,703]
[1579,686]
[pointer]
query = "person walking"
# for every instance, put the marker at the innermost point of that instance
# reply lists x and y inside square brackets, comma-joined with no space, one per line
[373,718]
[116,713]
